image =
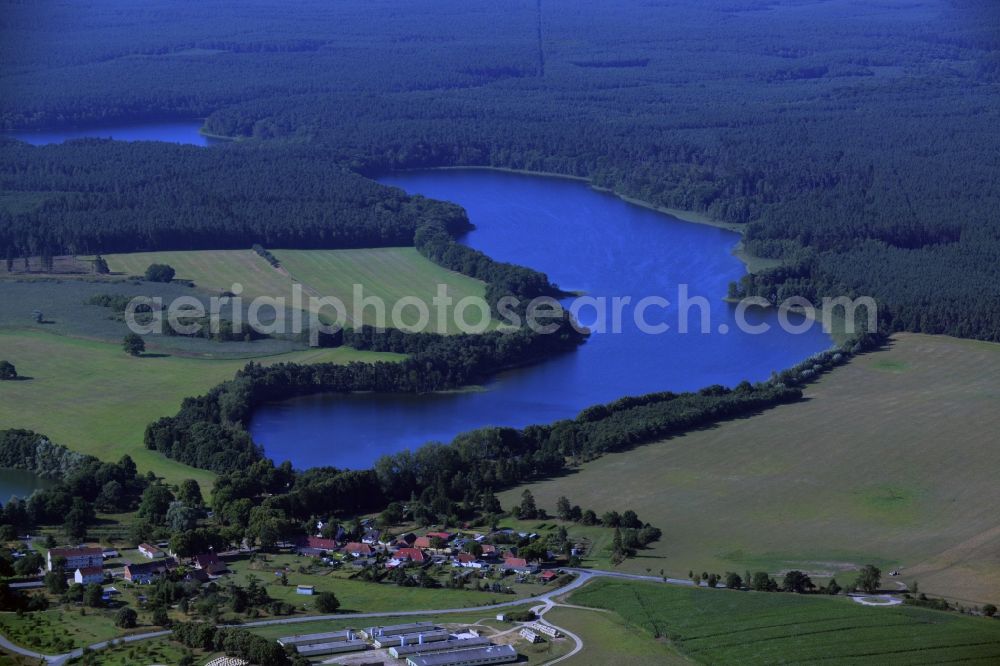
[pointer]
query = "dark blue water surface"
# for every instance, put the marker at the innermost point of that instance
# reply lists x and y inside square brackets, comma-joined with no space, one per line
[181,131]
[20,483]
[584,240]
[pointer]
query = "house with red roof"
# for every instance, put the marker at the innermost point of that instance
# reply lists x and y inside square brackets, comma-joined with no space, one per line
[422,542]
[355,549]
[519,565]
[414,555]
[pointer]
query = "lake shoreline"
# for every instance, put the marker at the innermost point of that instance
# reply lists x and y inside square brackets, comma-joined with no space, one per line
[752,263]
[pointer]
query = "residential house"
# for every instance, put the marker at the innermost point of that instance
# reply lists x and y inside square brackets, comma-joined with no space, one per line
[150,552]
[468,561]
[413,555]
[548,576]
[422,542]
[76,558]
[313,545]
[520,565]
[88,575]
[145,573]
[355,549]
[210,563]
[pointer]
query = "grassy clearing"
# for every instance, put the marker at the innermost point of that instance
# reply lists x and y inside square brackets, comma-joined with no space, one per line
[896,468]
[722,626]
[388,273]
[92,397]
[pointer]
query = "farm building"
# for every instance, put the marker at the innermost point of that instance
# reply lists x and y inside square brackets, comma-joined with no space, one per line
[334,647]
[306,590]
[396,629]
[415,638]
[544,629]
[150,552]
[403,651]
[530,636]
[328,637]
[492,654]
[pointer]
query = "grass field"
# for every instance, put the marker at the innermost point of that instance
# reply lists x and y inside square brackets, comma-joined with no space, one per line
[607,639]
[93,398]
[387,273]
[362,596]
[727,627]
[56,631]
[892,460]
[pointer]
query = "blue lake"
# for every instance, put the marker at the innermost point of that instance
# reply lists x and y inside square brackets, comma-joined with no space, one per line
[585,241]
[182,131]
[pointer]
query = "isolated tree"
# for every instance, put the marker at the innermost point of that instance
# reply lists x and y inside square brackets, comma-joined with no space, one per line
[563,508]
[180,517]
[160,617]
[833,587]
[55,581]
[7,371]
[93,595]
[761,582]
[796,581]
[126,618]
[327,602]
[160,273]
[869,579]
[733,581]
[589,517]
[133,344]
[101,266]
[989,610]
[528,507]
[189,492]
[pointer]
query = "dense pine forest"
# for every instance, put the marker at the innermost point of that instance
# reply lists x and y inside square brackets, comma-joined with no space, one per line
[856,141]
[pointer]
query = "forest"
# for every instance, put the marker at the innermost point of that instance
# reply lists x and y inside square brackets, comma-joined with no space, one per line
[854,141]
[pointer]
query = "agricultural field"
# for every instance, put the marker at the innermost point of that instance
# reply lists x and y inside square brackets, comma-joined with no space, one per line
[387,273]
[729,627]
[92,397]
[890,460]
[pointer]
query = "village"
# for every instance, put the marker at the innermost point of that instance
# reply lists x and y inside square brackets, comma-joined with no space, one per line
[503,562]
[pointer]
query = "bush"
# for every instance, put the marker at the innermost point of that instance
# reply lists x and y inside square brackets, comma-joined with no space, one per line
[7,371]
[327,602]
[160,273]
[126,618]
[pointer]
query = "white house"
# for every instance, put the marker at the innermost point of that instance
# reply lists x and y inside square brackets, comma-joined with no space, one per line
[88,575]
[150,552]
